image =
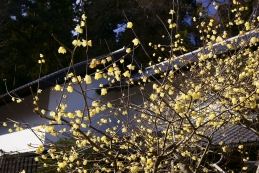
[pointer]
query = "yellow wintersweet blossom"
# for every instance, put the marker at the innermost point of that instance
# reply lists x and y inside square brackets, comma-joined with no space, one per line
[109,58]
[57,88]
[110,70]
[75,126]
[212,116]
[224,149]
[234,101]
[77,79]
[172,25]
[43,111]
[83,17]
[126,73]
[131,67]
[134,169]
[70,89]
[83,125]
[149,131]
[124,130]
[10,130]
[149,161]
[36,98]
[95,103]
[79,113]
[172,12]
[62,164]
[135,41]
[78,29]
[129,25]
[244,168]
[103,61]
[4,124]
[76,43]
[253,40]
[88,79]
[86,43]
[153,97]
[128,50]
[97,76]
[143,160]
[103,91]
[177,35]
[109,105]
[219,39]
[82,23]
[85,162]
[62,50]
[18,100]
[89,43]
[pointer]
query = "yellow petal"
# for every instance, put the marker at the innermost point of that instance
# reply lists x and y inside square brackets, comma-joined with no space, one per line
[62,50]
[129,25]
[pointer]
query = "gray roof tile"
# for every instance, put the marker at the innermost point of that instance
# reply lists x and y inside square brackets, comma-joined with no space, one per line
[234,134]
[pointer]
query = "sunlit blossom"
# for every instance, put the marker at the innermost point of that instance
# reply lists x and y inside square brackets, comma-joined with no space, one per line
[135,41]
[88,79]
[128,50]
[83,17]
[62,50]
[57,87]
[103,91]
[79,29]
[129,25]
[126,74]
[70,88]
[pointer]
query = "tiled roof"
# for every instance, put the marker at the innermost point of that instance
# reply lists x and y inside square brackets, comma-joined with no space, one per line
[234,134]
[238,42]
[58,76]
[17,163]
[53,78]
[217,49]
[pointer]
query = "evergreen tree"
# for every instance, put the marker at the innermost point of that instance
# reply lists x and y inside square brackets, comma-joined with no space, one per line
[32,24]
[29,31]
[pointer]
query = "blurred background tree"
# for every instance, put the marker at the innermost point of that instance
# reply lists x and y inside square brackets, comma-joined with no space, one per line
[27,26]
[29,29]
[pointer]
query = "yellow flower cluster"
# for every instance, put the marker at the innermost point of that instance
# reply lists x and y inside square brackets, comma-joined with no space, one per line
[185,104]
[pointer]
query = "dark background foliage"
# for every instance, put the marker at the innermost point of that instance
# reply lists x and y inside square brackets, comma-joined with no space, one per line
[27,26]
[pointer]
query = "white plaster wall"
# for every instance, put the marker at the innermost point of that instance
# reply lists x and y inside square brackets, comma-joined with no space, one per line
[49,100]
[75,101]
[20,112]
[18,141]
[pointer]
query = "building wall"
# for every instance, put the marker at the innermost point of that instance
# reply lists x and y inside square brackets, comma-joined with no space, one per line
[21,112]
[75,101]
[49,99]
